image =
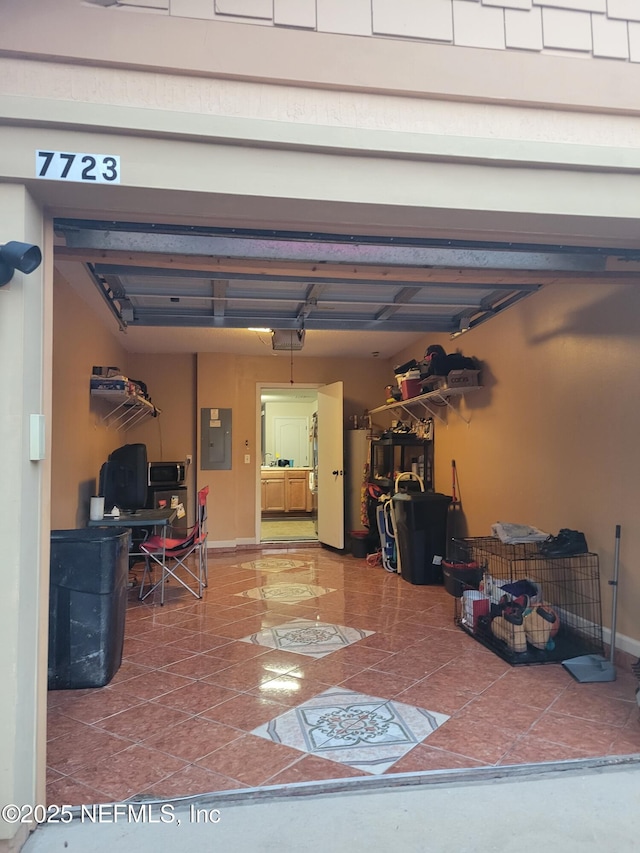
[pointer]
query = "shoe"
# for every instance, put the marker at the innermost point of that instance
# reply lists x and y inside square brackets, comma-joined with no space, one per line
[513,635]
[568,543]
[538,625]
[513,615]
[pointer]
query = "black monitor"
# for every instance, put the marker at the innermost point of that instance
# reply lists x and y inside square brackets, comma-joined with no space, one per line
[123,478]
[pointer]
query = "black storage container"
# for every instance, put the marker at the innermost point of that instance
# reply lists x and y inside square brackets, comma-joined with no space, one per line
[359,543]
[87,605]
[421,535]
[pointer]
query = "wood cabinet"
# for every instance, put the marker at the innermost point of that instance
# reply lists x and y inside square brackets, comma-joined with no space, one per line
[297,488]
[284,490]
[273,491]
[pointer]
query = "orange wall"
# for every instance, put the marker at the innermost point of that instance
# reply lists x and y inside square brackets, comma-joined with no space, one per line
[80,442]
[171,383]
[228,381]
[179,385]
[553,437]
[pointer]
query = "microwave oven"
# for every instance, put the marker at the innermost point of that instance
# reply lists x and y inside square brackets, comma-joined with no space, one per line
[166,474]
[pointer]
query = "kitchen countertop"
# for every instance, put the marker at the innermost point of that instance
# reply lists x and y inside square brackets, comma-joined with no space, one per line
[284,468]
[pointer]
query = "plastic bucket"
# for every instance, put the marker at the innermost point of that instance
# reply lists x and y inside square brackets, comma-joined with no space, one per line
[359,543]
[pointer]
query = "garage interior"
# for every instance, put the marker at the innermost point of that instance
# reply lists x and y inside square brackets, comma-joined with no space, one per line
[195,708]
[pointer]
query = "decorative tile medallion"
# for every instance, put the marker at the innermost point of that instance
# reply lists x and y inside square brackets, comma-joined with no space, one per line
[307,637]
[273,564]
[364,732]
[287,593]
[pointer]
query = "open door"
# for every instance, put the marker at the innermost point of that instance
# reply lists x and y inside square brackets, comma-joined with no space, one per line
[330,465]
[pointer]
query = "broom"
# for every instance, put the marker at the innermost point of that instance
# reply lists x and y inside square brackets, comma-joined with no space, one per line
[455,507]
[590,668]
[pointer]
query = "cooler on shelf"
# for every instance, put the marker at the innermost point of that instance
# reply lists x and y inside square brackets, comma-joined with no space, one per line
[410,384]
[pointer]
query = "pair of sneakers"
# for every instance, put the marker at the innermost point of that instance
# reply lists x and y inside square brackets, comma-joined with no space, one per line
[517,626]
[568,543]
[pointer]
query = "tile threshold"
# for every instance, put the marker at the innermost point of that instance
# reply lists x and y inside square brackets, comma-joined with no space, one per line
[389,781]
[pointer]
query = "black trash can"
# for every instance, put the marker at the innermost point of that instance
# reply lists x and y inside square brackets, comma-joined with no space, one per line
[87,605]
[421,535]
[359,543]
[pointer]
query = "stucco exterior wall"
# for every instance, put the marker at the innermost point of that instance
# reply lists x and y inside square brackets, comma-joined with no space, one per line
[25,340]
[231,47]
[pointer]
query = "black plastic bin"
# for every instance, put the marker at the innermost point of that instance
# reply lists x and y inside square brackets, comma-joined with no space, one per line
[421,534]
[87,605]
[359,543]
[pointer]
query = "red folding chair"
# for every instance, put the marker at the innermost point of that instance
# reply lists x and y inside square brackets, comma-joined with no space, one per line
[171,555]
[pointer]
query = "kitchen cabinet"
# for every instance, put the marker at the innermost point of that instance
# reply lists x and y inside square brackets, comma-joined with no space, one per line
[297,489]
[273,491]
[285,490]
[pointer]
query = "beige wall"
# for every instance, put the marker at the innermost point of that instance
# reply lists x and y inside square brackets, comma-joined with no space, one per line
[231,49]
[25,335]
[594,28]
[553,437]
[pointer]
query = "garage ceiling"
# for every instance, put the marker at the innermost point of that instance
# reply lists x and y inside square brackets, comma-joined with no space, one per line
[181,277]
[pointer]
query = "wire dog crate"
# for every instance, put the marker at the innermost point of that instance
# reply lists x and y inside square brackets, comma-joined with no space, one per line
[531,609]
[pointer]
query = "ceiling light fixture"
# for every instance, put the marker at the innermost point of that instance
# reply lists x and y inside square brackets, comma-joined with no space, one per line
[258,329]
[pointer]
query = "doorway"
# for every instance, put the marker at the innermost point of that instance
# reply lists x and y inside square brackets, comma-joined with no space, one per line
[288,492]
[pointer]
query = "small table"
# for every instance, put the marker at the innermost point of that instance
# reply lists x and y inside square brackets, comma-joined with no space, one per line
[159,519]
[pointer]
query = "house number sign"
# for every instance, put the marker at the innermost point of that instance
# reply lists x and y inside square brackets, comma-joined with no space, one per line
[85,168]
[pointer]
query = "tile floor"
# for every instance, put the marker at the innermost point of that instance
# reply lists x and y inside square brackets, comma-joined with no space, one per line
[300,664]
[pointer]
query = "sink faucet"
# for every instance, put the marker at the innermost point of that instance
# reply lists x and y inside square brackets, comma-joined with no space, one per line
[265,458]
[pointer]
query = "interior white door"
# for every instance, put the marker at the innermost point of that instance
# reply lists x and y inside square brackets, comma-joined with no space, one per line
[331,465]
[291,436]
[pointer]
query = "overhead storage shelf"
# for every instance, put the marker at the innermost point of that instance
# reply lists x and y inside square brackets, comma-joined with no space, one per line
[125,408]
[427,404]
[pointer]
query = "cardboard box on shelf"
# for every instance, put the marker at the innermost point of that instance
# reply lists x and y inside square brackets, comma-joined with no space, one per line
[462,378]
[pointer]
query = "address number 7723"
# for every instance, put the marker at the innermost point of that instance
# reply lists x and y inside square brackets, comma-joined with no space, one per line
[85,168]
